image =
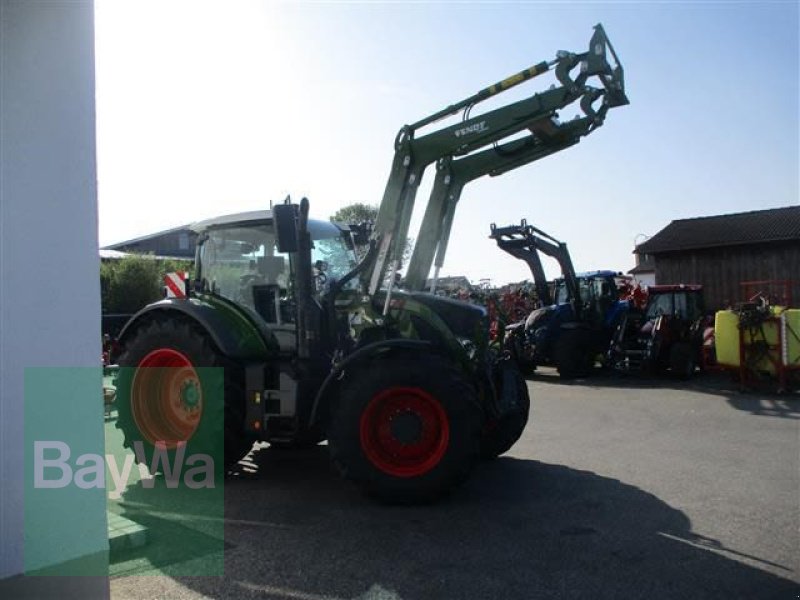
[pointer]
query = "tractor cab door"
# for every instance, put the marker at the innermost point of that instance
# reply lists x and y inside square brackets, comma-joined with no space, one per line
[241,263]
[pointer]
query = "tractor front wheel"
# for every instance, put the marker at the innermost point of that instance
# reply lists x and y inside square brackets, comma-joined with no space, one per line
[405,429]
[502,433]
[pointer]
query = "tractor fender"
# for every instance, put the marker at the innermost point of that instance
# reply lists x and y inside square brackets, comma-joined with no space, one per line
[363,353]
[235,335]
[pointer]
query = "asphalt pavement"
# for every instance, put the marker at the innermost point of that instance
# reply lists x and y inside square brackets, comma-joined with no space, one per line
[619,488]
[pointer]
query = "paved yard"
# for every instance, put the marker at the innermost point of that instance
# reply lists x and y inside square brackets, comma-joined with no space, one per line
[619,489]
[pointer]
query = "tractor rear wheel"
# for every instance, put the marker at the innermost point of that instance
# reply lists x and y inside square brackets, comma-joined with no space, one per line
[573,354]
[406,429]
[165,395]
[501,434]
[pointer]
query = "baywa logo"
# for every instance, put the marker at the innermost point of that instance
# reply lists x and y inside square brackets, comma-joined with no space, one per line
[474,128]
[89,470]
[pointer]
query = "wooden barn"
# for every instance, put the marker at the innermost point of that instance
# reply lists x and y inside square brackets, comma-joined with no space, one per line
[722,252]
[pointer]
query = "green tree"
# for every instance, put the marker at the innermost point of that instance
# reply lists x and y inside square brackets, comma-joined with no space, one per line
[136,281]
[360,213]
[356,213]
[130,283]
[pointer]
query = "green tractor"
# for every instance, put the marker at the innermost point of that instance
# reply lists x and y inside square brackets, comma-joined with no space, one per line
[314,345]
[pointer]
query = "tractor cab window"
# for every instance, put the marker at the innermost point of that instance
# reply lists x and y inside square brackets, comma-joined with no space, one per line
[681,307]
[695,305]
[242,263]
[585,289]
[237,261]
[561,295]
[606,288]
[330,248]
[660,304]
[688,305]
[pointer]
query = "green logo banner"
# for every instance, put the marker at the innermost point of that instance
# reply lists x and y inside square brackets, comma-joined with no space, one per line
[124,471]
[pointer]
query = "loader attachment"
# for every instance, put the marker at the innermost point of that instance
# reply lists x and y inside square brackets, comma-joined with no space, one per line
[610,72]
[537,114]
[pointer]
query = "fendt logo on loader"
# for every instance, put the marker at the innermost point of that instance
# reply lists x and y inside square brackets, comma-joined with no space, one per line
[475,128]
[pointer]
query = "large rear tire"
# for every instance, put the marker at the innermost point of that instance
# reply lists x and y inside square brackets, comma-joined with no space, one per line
[165,395]
[406,429]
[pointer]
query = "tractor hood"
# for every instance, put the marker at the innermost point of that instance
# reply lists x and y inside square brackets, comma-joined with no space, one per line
[540,316]
[461,318]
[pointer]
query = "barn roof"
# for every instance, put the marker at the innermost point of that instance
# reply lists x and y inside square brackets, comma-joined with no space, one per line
[146,238]
[754,227]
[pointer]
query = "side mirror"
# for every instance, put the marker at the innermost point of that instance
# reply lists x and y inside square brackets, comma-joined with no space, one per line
[284,217]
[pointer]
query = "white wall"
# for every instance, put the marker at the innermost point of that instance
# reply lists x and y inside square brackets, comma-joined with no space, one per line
[645,279]
[49,283]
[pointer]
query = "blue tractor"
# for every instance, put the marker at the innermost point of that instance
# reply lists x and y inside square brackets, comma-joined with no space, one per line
[577,316]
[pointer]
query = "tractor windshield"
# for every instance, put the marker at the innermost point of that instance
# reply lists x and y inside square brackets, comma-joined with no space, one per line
[588,287]
[238,261]
[682,304]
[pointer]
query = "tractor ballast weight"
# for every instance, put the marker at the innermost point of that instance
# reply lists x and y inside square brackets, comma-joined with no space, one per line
[403,384]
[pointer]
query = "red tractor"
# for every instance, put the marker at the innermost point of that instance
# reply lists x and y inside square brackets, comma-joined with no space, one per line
[666,335]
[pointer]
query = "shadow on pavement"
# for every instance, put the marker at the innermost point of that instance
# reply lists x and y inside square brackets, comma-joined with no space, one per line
[517,529]
[762,402]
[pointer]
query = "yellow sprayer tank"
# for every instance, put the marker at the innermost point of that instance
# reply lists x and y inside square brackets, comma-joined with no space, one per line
[726,338]
[792,337]
[726,333]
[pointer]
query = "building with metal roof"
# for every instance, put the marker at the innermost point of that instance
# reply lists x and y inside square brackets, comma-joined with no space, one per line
[178,242]
[725,252]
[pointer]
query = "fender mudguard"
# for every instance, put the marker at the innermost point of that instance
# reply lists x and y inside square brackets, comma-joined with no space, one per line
[363,353]
[235,334]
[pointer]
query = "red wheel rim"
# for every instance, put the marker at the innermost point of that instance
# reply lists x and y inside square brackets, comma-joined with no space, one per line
[166,397]
[404,431]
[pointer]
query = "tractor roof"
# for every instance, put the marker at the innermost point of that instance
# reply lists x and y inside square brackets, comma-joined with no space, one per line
[252,216]
[318,229]
[588,274]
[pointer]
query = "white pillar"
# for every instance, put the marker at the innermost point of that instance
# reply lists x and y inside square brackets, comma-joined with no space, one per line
[49,266]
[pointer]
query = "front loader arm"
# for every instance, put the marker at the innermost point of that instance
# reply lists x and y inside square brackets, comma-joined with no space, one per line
[413,154]
[452,174]
[525,242]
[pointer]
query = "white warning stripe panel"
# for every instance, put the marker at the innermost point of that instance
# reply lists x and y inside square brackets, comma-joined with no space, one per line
[174,283]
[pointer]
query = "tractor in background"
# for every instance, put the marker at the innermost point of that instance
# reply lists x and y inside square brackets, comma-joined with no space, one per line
[667,334]
[578,316]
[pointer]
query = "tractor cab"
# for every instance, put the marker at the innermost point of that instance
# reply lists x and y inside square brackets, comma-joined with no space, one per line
[676,302]
[238,260]
[599,296]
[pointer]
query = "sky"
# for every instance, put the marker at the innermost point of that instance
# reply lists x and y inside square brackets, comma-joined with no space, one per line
[210,108]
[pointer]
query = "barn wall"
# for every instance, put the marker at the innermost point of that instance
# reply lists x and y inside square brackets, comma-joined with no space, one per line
[721,270]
